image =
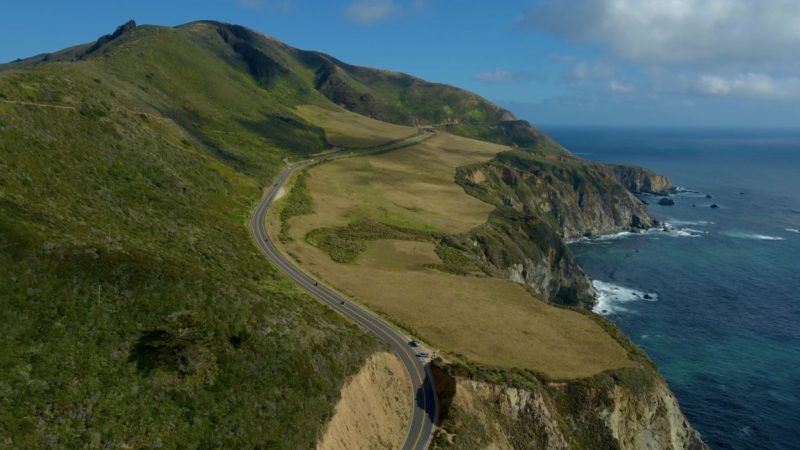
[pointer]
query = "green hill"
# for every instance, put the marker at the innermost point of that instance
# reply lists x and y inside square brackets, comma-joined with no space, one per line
[135,310]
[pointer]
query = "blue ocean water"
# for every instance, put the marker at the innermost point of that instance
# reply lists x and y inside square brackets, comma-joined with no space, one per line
[723,318]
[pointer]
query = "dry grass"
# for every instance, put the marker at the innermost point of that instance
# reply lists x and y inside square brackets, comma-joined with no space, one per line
[412,187]
[490,321]
[348,129]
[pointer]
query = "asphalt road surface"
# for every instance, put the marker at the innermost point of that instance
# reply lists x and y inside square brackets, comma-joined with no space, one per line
[424,410]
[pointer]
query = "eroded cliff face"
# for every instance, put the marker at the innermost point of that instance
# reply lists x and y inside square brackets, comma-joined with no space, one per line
[623,409]
[639,179]
[382,389]
[543,200]
[577,197]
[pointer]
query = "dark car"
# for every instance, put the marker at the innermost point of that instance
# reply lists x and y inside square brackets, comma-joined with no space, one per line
[413,343]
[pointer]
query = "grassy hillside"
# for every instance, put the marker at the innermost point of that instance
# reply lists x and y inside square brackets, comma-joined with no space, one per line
[385,229]
[136,311]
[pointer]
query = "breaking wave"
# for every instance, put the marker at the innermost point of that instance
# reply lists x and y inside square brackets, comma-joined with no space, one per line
[612,297]
[753,236]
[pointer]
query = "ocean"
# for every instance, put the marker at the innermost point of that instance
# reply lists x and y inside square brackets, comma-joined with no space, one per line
[714,298]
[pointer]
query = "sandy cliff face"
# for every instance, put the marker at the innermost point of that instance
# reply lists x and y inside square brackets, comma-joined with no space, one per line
[373,411]
[632,411]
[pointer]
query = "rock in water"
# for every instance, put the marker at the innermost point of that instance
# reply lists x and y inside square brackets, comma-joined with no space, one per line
[666,202]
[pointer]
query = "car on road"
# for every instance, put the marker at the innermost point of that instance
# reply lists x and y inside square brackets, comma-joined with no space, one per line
[413,343]
[341,302]
[316,283]
[423,354]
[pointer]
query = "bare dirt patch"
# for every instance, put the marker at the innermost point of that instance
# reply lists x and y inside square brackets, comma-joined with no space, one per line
[373,411]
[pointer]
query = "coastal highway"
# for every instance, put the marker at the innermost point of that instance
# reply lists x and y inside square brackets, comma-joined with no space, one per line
[424,409]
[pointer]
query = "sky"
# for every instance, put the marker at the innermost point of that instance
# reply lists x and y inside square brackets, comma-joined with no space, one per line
[665,63]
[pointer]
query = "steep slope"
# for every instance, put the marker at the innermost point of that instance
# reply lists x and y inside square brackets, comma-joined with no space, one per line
[137,312]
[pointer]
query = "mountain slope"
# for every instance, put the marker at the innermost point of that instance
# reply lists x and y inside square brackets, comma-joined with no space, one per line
[137,313]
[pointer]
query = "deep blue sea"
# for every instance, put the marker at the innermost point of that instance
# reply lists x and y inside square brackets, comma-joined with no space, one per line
[723,320]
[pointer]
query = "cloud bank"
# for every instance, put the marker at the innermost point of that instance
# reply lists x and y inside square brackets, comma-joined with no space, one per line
[370,12]
[677,31]
[502,76]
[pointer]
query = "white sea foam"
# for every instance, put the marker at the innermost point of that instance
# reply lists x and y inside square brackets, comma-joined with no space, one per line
[611,237]
[696,223]
[602,237]
[665,229]
[683,192]
[793,230]
[754,236]
[669,229]
[611,297]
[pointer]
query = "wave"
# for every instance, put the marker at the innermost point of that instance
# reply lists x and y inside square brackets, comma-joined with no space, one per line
[602,237]
[611,297]
[665,229]
[696,223]
[669,229]
[793,230]
[683,192]
[753,236]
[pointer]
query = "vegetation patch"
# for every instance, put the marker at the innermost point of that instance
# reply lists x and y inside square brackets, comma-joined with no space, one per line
[136,311]
[344,244]
[297,203]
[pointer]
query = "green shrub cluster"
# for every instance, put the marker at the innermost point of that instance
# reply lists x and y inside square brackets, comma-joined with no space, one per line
[298,203]
[344,244]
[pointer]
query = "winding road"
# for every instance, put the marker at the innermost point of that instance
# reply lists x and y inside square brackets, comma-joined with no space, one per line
[424,411]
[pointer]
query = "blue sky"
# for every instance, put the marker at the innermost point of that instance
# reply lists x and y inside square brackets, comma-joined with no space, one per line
[554,62]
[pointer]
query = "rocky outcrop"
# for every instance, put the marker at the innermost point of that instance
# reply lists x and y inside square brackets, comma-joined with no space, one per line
[527,249]
[638,179]
[542,200]
[577,197]
[629,409]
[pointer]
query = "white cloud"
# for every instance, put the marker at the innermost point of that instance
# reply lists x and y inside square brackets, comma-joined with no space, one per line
[620,87]
[266,5]
[500,76]
[369,12]
[678,31]
[749,85]
[586,71]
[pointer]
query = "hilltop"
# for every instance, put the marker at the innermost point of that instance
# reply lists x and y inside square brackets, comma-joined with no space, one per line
[137,312]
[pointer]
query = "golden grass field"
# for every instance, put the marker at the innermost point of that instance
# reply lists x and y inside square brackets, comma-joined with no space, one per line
[411,187]
[491,321]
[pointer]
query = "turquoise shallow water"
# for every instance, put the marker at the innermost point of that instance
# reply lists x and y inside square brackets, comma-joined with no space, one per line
[723,323]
